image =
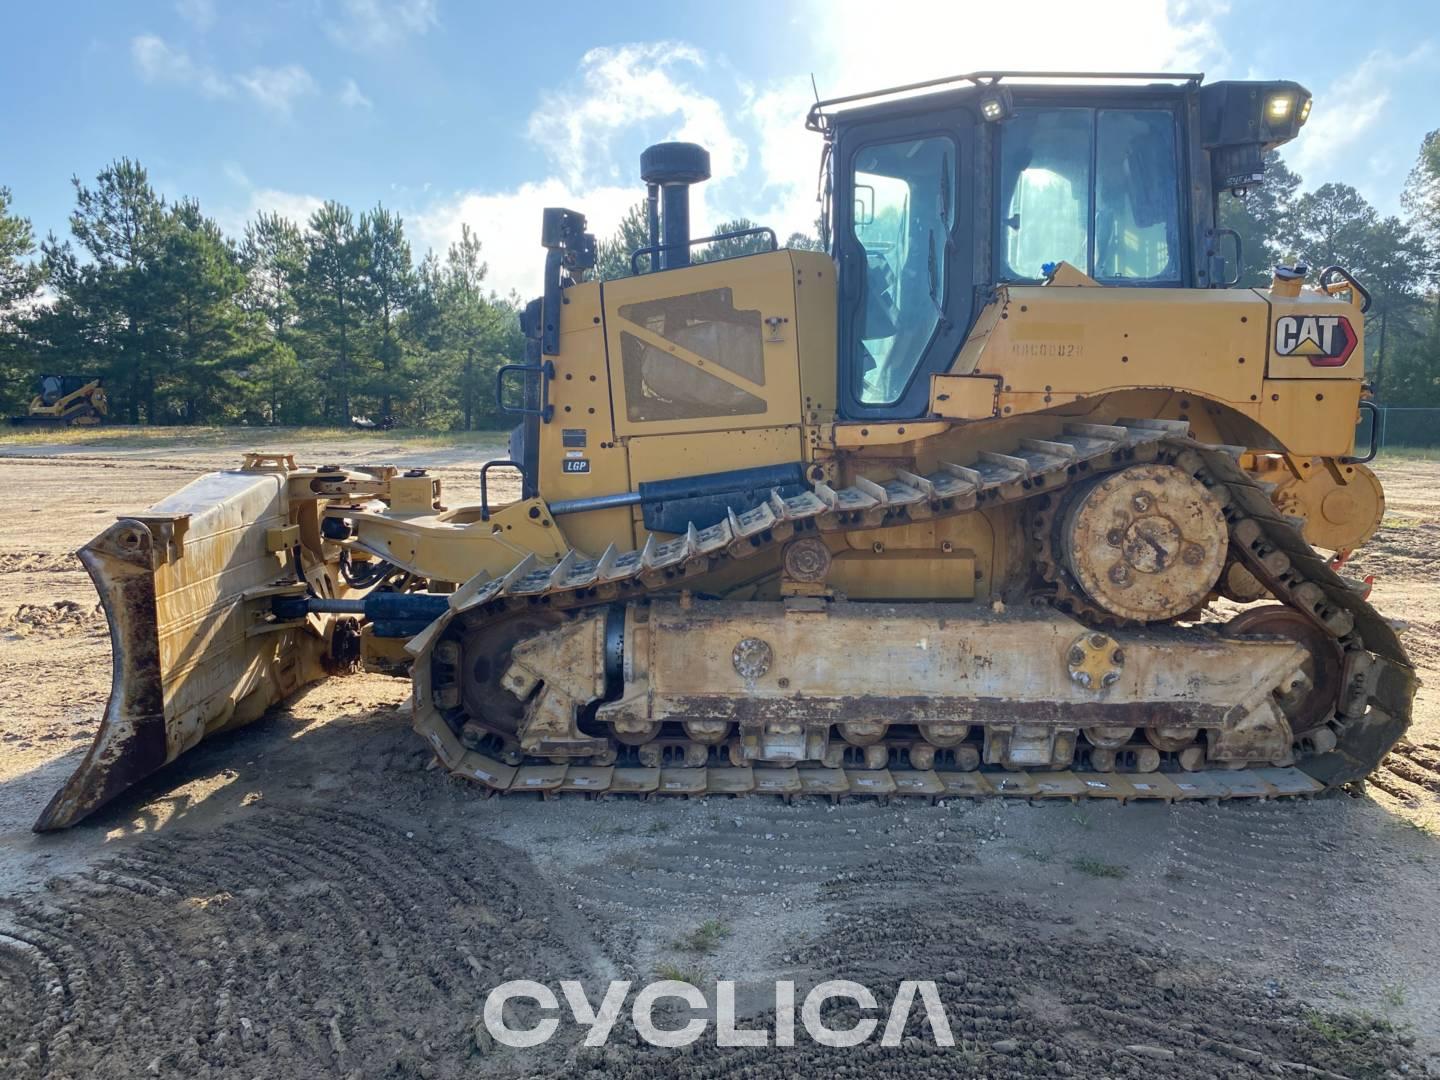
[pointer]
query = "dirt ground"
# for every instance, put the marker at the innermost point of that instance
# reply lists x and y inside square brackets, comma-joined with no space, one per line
[309,897]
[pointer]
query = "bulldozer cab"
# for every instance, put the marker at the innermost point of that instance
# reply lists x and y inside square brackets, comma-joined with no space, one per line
[938,197]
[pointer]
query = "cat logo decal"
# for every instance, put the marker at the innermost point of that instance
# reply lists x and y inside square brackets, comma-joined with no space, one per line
[1326,340]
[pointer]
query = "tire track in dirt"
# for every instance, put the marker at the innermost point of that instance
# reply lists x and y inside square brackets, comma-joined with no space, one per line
[39,562]
[296,943]
[1025,1003]
[1411,771]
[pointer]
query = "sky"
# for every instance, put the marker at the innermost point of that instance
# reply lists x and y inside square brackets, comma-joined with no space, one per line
[456,112]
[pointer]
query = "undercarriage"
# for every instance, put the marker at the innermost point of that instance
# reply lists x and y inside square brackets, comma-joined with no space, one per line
[1106,667]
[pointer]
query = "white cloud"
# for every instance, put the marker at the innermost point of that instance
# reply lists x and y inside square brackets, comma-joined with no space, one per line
[159,62]
[296,206]
[198,13]
[508,226]
[352,97]
[277,88]
[1347,110]
[233,217]
[624,88]
[374,24]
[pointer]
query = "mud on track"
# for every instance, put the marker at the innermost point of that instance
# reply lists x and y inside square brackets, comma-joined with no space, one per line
[308,898]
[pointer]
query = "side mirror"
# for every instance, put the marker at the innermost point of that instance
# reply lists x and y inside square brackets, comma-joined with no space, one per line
[1218,264]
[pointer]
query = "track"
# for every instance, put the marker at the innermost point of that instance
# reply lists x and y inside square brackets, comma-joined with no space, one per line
[1373,709]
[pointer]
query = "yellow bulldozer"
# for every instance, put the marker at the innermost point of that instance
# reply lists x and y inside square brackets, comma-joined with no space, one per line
[1010,493]
[66,401]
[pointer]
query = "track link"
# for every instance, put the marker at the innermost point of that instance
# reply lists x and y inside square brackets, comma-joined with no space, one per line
[1372,713]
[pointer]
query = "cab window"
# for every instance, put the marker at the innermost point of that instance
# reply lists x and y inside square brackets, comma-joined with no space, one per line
[1097,188]
[903,214]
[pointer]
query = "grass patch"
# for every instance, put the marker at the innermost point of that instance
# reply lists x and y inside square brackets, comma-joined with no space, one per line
[1399,521]
[680,973]
[1393,995]
[1358,1045]
[1341,1028]
[1096,868]
[704,939]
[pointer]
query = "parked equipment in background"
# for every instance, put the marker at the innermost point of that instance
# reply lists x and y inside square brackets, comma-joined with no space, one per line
[382,423]
[66,400]
[963,508]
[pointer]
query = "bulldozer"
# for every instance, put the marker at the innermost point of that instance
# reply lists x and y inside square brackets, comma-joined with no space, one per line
[1012,492]
[66,401]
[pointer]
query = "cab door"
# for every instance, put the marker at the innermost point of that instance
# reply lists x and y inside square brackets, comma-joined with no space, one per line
[904,217]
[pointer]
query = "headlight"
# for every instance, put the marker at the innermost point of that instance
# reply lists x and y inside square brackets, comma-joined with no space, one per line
[1305,110]
[992,108]
[1278,106]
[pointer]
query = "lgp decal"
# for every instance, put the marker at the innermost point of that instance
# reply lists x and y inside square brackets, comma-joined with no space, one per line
[1325,340]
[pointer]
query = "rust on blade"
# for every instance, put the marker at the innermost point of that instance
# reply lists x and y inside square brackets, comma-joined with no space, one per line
[130,743]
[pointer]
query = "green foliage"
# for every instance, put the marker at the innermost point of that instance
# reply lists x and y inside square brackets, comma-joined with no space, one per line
[704,939]
[1096,868]
[19,280]
[1421,198]
[613,255]
[294,324]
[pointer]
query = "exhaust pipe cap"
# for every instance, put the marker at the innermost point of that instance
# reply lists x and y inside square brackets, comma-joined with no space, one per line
[675,163]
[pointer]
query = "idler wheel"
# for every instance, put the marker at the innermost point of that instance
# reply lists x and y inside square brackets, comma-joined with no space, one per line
[1310,704]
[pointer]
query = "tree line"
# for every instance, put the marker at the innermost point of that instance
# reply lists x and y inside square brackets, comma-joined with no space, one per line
[287,324]
[319,321]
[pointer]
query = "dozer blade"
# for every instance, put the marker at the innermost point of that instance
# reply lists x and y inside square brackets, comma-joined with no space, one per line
[186,589]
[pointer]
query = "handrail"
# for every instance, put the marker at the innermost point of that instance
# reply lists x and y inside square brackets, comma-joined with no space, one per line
[657,249]
[484,488]
[546,371]
[990,78]
[1349,279]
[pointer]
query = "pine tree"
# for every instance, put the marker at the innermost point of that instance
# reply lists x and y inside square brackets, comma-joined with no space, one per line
[19,280]
[209,339]
[331,297]
[273,257]
[105,320]
[389,285]
[632,234]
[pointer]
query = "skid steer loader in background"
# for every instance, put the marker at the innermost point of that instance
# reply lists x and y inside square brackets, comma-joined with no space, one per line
[66,401]
[1012,493]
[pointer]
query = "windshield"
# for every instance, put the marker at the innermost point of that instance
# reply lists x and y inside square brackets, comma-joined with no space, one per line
[1097,188]
[903,213]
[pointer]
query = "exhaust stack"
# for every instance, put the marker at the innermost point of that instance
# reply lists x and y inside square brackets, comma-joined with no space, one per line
[669,169]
